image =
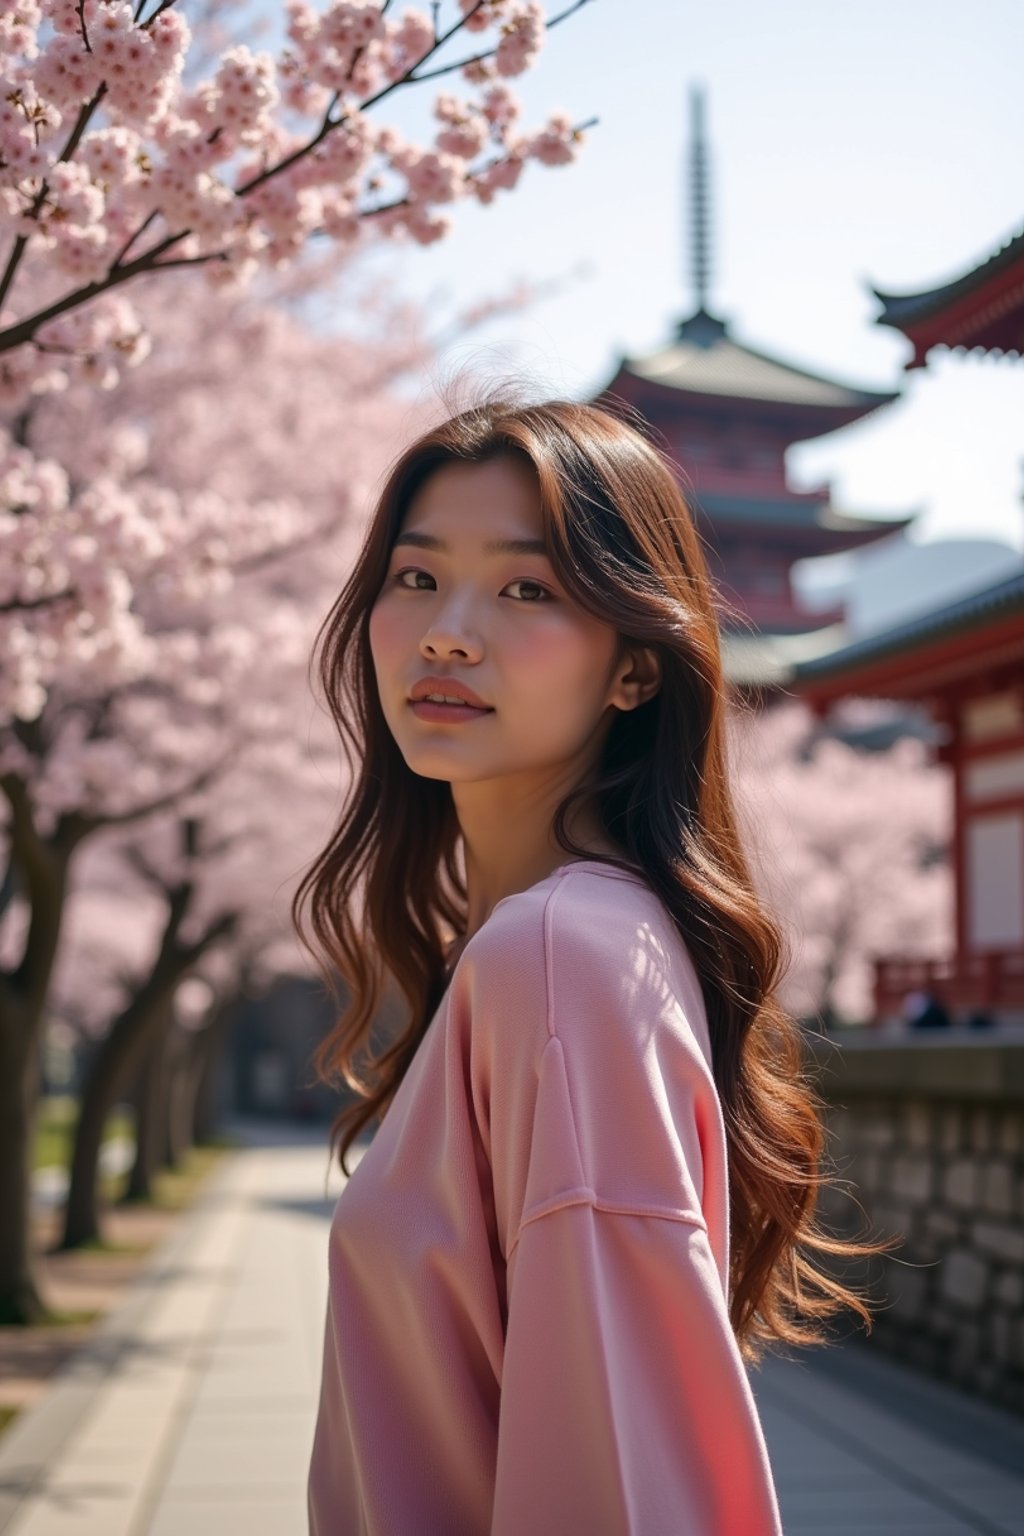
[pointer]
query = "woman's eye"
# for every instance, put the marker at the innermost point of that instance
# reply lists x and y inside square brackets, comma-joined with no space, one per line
[540,593]
[411,570]
[525,581]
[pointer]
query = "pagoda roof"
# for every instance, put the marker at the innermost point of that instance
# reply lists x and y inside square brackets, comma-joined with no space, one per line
[932,646]
[705,360]
[983,307]
[805,513]
[762,659]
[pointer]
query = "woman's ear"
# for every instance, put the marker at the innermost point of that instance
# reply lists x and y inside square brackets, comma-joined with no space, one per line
[638,678]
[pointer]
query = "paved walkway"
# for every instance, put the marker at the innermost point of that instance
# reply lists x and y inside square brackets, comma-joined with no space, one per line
[191,1411]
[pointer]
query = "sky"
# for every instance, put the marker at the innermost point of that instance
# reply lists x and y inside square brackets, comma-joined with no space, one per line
[849,145]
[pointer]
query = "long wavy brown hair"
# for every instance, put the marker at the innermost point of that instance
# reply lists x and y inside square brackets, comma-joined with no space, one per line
[387,894]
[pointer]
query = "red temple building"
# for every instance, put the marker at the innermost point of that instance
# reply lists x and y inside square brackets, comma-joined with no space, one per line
[965,663]
[727,413]
[983,308]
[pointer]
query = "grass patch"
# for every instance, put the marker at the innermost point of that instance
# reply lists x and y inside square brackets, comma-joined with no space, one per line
[174,1188]
[55,1129]
[69,1319]
[111,1250]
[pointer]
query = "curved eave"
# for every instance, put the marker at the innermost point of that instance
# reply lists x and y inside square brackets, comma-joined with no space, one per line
[803,421]
[819,525]
[983,307]
[917,658]
[759,659]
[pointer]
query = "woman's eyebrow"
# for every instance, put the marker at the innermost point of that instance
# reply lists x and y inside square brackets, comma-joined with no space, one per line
[495,547]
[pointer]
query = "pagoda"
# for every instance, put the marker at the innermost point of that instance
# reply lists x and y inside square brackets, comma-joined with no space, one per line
[726,414]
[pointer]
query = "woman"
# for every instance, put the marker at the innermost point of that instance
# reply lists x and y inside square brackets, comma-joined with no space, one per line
[591,1199]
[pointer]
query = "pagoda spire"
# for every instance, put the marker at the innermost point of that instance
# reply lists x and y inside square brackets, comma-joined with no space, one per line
[700,238]
[702,328]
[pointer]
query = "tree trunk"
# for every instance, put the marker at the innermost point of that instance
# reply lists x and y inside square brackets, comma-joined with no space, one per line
[135,1028]
[150,1110]
[21,1301]
[178,1124]
[211,1044]
[39,869]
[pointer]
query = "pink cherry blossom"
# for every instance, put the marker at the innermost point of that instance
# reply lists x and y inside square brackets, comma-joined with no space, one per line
[557,143]
[235,165]
[522,37]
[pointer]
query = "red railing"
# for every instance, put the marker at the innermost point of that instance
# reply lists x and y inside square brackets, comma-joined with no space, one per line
[978,983]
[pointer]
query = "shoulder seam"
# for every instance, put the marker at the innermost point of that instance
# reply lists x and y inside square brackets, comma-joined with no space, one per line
[574,1197]
[549,983]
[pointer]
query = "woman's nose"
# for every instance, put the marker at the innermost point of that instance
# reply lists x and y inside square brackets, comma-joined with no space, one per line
[452,630]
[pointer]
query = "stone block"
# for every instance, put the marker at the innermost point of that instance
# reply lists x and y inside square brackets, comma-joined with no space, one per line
[917,1124]
[893,1219]
[963,1278]
[997,1188]
[982,1128]
[1002,1242]
[841,1125]
[1008,1289]
[950,1128]
[1000,1335]
[867,1171]
[941,1228]
[911,1179]
[960,1185]
[908,1292]
[877,1131]
[1010,1138]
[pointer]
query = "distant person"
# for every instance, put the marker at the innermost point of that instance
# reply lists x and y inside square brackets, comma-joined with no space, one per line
[923,1010]
[544,1289]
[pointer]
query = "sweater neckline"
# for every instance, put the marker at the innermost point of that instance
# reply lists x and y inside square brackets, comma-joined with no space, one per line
[561,870]
[598,866]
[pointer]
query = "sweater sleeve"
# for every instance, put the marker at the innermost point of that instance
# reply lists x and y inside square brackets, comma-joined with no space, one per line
[625,1408]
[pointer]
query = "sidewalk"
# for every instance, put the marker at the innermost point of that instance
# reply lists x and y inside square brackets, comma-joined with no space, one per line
[191,1409]
[191,1412]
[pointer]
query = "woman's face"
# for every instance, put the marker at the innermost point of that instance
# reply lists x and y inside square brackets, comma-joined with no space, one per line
[496,620]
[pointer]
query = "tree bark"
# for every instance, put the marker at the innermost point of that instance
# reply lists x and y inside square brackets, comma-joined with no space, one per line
[39,868]
[179,1121]
[211,1044]
[149,1126]
[21,1301]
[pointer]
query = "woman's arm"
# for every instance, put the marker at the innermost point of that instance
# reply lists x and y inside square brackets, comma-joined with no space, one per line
[625,1407]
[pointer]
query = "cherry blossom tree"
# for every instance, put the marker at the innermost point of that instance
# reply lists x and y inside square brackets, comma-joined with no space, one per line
[116,163]
[208,667]
[850,848]
[221,872]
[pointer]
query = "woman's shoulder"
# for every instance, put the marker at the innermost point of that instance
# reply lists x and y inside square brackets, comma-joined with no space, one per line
[588,950]
[589,921]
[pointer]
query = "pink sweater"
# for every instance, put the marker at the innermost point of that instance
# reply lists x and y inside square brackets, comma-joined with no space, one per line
[527,1329]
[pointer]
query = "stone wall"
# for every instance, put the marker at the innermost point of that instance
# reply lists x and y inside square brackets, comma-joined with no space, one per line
[928,1137]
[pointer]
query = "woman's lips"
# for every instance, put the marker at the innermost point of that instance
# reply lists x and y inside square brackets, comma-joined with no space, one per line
[447,714]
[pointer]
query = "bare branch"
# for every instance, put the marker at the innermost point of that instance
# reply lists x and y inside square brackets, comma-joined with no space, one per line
[83,822]
[447,69]
[30,604]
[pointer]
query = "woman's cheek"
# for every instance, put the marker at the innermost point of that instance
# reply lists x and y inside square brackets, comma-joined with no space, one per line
[385,637]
